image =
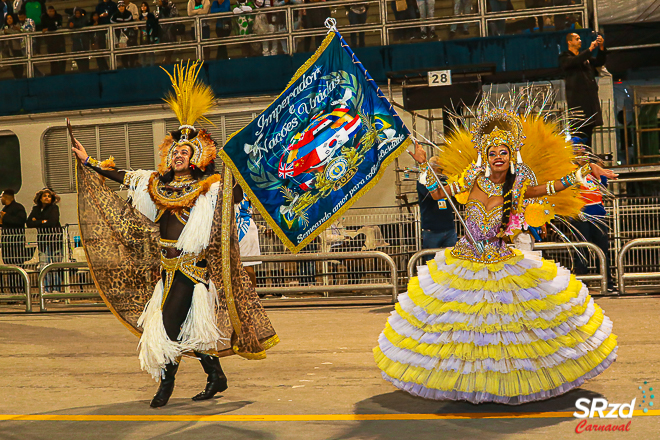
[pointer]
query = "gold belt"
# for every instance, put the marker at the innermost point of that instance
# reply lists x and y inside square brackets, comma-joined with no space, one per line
[184,263]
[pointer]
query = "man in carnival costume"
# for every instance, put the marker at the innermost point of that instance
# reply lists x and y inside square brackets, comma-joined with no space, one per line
[177,231]
[483,322]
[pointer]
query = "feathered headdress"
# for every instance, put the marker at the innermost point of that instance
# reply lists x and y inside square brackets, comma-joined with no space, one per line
[190,100]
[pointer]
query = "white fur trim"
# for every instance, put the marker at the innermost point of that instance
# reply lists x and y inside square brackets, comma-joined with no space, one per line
[196,235]
[138,181]
[155,347]
[200,330]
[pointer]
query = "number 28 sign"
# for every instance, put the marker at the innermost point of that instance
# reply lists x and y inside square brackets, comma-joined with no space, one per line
[439,78]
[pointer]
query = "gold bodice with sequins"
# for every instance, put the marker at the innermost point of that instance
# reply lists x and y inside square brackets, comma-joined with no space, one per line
[484,226]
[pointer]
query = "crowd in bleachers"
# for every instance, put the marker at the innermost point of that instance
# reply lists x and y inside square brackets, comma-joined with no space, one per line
[139,24]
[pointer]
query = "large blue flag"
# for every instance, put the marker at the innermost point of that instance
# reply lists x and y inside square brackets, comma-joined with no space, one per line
[323,143]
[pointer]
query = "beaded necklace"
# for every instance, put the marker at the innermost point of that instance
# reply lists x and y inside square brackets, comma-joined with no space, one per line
[489,187]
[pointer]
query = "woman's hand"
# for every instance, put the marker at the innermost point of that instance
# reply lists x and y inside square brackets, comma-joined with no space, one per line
[79,151]
[419,155]
[598,171]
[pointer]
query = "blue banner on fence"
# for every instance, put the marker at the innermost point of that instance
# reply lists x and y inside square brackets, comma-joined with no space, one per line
[318,147]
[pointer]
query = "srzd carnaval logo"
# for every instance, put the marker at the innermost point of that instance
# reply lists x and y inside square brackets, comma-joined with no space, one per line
[587,408]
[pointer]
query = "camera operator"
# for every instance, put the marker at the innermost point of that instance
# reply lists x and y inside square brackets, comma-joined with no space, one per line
[580,75]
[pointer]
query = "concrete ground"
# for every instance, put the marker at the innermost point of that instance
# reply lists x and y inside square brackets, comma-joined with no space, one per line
[76,376]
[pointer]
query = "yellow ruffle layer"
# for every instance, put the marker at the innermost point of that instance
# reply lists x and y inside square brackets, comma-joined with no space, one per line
[435,306]
[531,278]
[515,383]
[468,351]
[516,326]
[475,266]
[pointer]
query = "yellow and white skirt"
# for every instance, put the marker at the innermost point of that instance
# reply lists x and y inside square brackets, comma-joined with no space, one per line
[510,332]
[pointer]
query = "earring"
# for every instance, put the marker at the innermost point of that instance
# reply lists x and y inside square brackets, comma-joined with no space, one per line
[513,168]
[479,160]
[487,174]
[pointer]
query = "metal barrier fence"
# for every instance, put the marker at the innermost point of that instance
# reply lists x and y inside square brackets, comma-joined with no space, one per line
[275,30]
[26,296]
[385,229]
[602,277]
[327,288]
[649,243]
[81,273]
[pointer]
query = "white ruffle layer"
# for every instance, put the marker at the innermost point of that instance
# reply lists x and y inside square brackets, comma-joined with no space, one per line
[481,397]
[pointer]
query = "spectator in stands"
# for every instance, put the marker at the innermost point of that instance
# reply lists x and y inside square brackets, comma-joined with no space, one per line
[580,76]
[199,8]
[498,27]
[51,21]
[80,41]
[133,9]
[12,242]
[98,41]
[4,9]
[106,9]
[314,18]
[357,14]
[34,11]
[264,24]
[126,36]
[150,34]
[245,22]
[27,24]
[404,10]
[167,9]
[461,7]
[437,216]
[12,48]
[280,22]
[45,217]
[222,25]
[426,11]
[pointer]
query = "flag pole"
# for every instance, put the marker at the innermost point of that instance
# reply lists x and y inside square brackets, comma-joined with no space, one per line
[478,245]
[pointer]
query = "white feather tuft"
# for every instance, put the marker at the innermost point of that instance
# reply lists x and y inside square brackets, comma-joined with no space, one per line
[200,330]
[138,181]
[156,348]
[196,235]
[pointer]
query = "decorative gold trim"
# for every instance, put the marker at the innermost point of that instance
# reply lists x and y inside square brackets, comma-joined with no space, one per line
[187,200]
[227,217]
[271,222]
[251,356]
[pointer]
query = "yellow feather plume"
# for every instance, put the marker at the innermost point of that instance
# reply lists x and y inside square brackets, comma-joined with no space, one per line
[551,156]
[191,98]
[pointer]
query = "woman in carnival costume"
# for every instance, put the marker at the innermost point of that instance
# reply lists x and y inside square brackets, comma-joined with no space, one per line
[483,322]
[177,232]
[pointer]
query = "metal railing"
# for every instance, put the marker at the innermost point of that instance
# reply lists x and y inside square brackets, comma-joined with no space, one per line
[327,288]
[412,264]
[43,295]
[639,242]
[26,296]
[107,47]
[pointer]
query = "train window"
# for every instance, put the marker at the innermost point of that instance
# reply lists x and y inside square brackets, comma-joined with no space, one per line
[10,162]
[131,144]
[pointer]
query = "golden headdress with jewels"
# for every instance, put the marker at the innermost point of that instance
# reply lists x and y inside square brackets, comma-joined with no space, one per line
[190,100]
[494,128]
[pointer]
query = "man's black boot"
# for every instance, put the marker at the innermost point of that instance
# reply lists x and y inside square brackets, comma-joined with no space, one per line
[166,386]
[216,381]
